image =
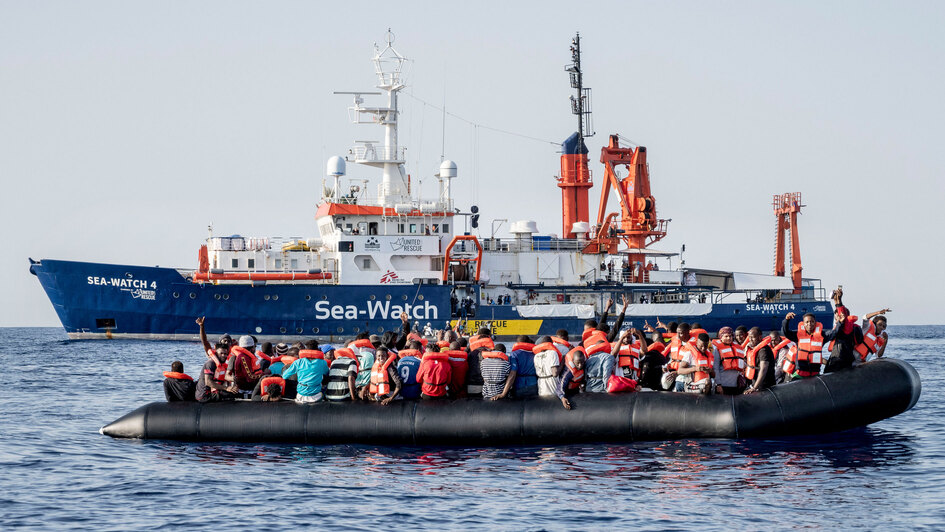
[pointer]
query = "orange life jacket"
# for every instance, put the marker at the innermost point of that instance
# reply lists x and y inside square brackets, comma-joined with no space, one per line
[700,358]
[414,336]
[807,357]
[603,347]
[271,380]
[872,342]
[380,380]
[577,375]
[522,346]
[676,352]
[243,354]
[287,361]
[409,353]
[592,336]
[629,357]
[495,354]
[694,334]
[220,374]
[481,342]
[344,352]
[443,344]
[732,356]
[458,368]
[363,342]
[753,358]
[311,353]
[177,375]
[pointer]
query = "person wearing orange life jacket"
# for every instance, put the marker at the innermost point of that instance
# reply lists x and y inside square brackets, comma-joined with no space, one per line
[630,349]
[599,365]
[178,386]
[572,376]
[805,360]
[548,365]
[781,350]
[342,376]
[310,370]
[270,388]
[226,340]
[761,362]
[522,373]
[729,363]
[561,341]
[212,385]
[478,344]
[497,378]
[874,337]
[698,366]
[385,384]
[675,351]
[695,329]
[435,374]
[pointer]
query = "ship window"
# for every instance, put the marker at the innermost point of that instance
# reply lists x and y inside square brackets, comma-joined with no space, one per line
[446,228]
[176,295]
[278,264]
[298,330]
[366,263]
[373,297]
[413,228]
[226,296]
[216,296]
[308,298]
[266,297]
[251,263]
[275,297]
[193,295]
[400,228]
[258,330]
[346,245]
[341,329]
[282,330]
[295,264]
[372,228]
[436,228]
[314,330]
[105,323]
[235,263]
[420,297]
[348,228]
[356,329]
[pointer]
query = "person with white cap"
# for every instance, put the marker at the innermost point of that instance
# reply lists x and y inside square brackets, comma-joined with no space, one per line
[241,368]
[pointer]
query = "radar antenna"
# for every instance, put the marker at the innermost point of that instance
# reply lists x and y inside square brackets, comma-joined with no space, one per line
[581,103]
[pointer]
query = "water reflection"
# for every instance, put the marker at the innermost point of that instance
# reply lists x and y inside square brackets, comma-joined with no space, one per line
[684,464]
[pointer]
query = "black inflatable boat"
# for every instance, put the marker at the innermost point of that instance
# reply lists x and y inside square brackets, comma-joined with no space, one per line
[871,392]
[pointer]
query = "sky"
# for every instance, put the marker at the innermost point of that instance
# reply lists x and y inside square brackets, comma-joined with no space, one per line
[127,127]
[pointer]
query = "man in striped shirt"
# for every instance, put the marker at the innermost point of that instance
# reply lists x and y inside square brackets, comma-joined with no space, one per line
[496,370]
[342,375]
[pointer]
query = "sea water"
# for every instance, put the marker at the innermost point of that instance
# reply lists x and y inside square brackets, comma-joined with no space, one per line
[57,471]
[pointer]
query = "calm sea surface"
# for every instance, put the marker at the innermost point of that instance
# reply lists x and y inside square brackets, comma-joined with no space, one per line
[57,471]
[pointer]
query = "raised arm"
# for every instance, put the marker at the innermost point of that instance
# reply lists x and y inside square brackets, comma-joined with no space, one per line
[619,323]
[203,334]
[785,331]
[404,331]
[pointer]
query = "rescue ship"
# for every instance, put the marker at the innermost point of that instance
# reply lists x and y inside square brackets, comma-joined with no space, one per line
[378,252]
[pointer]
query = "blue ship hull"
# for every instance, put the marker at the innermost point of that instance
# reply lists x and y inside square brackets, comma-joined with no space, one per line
[117,301]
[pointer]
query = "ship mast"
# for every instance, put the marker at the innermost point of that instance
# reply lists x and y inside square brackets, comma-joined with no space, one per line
[575,179]
[389,67]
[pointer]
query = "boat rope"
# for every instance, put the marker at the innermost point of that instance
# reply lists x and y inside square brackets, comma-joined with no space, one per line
[476,124]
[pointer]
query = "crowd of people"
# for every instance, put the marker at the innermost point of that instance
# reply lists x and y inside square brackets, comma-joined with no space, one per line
[447,363]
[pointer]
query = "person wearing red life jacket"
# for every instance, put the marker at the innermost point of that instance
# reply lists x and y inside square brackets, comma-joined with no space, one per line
[729,363]
[458,367]
[241,364]
[270,388]
[385,383]
[698,366]
[761,362]
[435,374]
[781,350]
[807,358]
[674,352]
[226,340]
[212,385]
[178,386]
[561,341]
[572,376]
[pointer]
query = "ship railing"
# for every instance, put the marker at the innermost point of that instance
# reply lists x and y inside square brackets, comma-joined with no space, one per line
[369,153]
[518,245]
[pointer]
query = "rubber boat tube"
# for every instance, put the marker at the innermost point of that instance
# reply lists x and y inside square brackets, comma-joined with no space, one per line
[838,401]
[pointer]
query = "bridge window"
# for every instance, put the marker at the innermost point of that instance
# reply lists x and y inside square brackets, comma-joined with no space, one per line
[251,263]
[400,228]
[413,229]
[234,263]
[446,228]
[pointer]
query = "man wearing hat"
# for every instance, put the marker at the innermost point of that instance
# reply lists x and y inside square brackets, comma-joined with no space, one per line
[241,368]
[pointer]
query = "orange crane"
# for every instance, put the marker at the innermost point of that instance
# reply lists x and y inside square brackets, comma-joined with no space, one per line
[786,208]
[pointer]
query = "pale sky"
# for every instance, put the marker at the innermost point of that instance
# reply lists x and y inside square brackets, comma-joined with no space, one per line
[127,127]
